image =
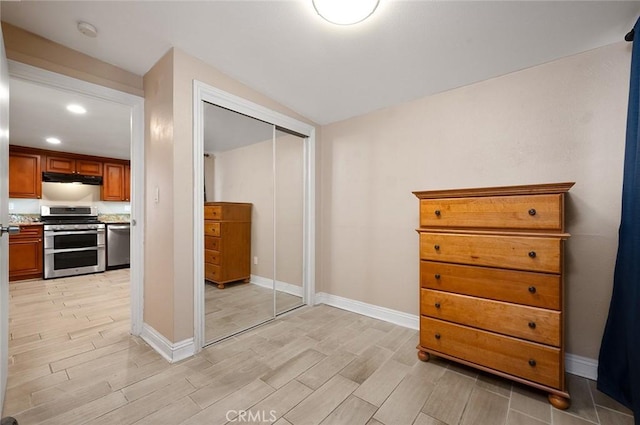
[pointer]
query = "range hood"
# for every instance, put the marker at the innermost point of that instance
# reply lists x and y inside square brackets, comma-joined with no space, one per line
[71,178]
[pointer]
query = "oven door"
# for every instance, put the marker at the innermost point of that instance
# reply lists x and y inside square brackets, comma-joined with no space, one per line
[73,252]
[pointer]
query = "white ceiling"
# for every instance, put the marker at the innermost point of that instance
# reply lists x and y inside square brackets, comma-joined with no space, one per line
[406,50]
[37,112]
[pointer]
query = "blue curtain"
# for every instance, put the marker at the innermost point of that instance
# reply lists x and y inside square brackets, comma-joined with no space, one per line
[619,362]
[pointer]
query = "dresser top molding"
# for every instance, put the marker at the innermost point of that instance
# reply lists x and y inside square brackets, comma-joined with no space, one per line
[534,189]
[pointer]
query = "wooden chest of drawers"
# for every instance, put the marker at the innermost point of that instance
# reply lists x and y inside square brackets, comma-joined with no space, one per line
[491,274]
[227,242]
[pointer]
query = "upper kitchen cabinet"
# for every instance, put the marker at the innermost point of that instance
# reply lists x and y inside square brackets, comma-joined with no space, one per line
[115,182]
[68,165]
[25,176]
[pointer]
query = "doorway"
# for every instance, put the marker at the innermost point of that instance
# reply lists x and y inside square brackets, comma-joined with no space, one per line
[135,104]
[263,160]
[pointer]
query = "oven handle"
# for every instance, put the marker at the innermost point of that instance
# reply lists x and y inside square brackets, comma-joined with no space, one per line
[58,251]
[74,232]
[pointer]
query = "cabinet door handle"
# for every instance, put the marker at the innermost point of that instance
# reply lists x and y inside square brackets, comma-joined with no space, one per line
[532,254]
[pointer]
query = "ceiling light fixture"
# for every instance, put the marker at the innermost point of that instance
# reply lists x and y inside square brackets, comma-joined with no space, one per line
[87,29]
[76,109]
[345,12]
[53,140]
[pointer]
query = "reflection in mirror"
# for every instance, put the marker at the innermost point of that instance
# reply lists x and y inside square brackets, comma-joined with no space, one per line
[289,207]
[239,222]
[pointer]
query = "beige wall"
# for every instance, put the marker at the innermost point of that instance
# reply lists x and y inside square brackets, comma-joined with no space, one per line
[172,259]
[159,308]
[561,121]
[246,175]
[26,47]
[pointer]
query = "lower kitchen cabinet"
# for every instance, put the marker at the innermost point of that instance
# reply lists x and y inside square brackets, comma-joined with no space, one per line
[26,253]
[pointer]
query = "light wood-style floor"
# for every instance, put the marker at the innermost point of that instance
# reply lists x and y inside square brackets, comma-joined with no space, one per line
[73,362]
[241,305]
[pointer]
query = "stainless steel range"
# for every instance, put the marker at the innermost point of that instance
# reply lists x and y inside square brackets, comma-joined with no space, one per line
[74,241]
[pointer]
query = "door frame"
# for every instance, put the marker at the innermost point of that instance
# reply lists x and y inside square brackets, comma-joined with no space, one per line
[203,92]
[43,77]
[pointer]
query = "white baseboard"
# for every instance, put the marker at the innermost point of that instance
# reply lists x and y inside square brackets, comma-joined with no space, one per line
[581,366]
[574,364]
[280,286]
[388,315]
[172,352]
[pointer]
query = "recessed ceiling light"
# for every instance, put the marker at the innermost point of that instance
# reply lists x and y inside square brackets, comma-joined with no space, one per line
[53,140]
[345,12]
[76,109]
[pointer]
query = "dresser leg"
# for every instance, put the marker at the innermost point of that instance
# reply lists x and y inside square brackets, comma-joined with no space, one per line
[221,285]
[559,402]
[423,356]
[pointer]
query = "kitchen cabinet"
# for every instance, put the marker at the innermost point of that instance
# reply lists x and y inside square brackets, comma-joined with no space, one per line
[26,253]
[68,165]
[127,183]
[25,177]
[115,182]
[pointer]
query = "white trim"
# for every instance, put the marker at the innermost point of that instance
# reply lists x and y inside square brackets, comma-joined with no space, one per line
[574,364]
[172,352]
[285,287]
[581,366]
[205,93]
[62,82]
[388,315]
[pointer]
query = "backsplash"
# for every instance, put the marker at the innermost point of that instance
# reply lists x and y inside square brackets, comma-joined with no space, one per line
[67,194]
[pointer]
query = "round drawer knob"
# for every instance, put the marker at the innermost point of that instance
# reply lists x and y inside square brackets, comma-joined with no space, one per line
[532,363]
[532,211]
[437,212]
[436,247]
[437,276]
[532,289]
[437,305]
[532,254]
[437,336]
[532,325]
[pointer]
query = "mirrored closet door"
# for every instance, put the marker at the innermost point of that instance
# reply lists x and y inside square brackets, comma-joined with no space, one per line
[289,220]
[239,222]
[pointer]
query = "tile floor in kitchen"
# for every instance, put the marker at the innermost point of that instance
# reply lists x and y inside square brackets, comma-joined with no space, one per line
[72,361]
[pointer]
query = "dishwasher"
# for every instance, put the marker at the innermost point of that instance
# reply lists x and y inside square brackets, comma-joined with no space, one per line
[118,245]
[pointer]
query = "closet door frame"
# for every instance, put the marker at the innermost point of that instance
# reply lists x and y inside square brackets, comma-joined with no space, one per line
[203,92]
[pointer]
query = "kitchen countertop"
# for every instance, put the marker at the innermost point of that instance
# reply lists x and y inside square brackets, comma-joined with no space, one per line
[25,219]
[34,219]
[114,218]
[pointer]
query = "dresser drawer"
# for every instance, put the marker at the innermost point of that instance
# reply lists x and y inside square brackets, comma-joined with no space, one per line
[531,323]
[212,228]
[212,243]
[213,212]
[534,289]
[512,252]
[212,272]
[536,212]
[211,257]
[528,360]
